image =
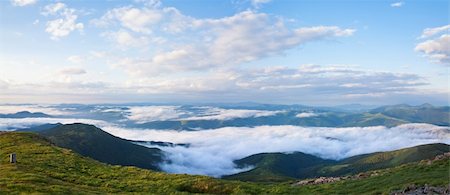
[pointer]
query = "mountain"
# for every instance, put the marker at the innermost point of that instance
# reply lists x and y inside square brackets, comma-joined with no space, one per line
[40,127]
[45,168]
[425,113]
[25,114]
[388,116]
[272,167]
[380,160]
[95,143]
[269,167]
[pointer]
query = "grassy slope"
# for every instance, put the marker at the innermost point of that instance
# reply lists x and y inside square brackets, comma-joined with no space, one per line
[271,167]
[45,168]
[381,160]
[95,143]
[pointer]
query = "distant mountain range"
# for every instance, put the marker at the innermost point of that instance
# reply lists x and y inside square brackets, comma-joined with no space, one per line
[383,116]
[297,115]
[25,114]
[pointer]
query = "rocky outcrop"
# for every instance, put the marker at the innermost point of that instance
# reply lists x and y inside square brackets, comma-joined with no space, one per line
[422,190]
[322,180]
[438,157]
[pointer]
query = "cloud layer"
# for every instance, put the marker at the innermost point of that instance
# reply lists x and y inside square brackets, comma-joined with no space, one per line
[212,152]
[143,114]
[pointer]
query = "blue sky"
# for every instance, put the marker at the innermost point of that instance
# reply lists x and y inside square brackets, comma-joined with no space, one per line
[272,51]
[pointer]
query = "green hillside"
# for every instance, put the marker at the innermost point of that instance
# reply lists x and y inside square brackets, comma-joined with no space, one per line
[381,160]
[425,113]
[45,168]
[271,167]
[95,143]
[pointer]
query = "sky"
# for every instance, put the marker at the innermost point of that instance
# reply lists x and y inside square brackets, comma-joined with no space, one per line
[197,51]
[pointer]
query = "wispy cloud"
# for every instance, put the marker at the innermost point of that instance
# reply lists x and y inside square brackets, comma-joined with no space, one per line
[397,4]
[23,2]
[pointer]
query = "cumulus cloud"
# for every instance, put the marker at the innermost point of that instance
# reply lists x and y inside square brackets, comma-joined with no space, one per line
[135,19]
[397,4]
[23,2]
[199,44]
[437,50]
[65,22]
[212,152]
[125,39]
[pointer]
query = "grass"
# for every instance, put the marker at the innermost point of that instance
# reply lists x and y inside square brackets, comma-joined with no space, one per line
[45,168]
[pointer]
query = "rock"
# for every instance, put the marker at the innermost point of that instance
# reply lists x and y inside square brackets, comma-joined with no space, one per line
[421,190]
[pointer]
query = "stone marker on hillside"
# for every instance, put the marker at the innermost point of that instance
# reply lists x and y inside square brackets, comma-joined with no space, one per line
[12,158]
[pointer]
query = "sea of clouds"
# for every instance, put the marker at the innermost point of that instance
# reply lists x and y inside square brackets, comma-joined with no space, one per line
[143,114]
[212,151]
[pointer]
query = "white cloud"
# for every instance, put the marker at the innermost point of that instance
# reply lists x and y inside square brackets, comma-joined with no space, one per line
[397,4]
[143,114]
[212,152]
[72,71]
[437,50]
[23,2]
[52,9]
[135,19]
[428,32]
[64,24]
[191,44]
[306,115]
[125,39]
[212,113]
[305,82]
